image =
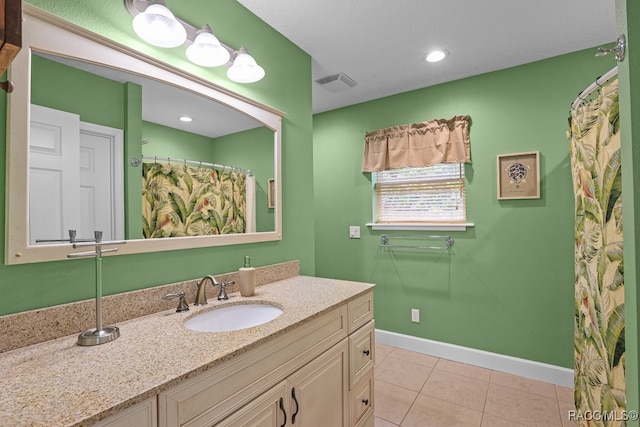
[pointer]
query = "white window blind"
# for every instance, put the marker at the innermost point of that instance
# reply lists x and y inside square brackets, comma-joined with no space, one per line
[433,194]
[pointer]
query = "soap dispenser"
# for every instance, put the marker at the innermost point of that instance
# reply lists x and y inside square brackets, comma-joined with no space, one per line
[247,278]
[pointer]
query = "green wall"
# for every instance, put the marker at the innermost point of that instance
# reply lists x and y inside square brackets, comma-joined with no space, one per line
[166,142]
[95,99]
[285,87]
[506,286]
[253,150]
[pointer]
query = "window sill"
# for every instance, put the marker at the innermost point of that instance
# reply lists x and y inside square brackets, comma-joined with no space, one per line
[421,226]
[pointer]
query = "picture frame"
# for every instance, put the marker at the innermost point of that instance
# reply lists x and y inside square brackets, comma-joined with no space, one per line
[519,175]
[271,188]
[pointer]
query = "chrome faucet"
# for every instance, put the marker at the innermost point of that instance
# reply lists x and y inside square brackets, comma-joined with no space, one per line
[201,297]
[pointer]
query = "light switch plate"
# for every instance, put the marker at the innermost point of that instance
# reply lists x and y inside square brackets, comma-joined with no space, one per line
[354,232]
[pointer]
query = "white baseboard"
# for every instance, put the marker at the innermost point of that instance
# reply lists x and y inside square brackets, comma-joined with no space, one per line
[497,362]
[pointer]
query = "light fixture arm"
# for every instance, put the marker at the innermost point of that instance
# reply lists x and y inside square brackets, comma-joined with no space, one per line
[138,6]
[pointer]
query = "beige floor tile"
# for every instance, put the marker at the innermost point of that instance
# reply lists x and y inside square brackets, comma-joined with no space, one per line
[523,407]
[565,407]
[464,369]
[401,373]
[428,411]
[489,420]
[524,384]
[457,389]
[414,357]
[565,394]
[455,394]
[383,349]
[392,402]
[379,422]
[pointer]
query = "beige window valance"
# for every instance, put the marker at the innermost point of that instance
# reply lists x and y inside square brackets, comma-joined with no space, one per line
[417,145]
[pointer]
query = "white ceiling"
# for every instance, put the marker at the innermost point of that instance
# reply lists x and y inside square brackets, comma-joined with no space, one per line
[381,44]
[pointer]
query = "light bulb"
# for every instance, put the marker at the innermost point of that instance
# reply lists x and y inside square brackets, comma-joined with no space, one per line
[436,55]
[244,68]
[157,26]
[206,50]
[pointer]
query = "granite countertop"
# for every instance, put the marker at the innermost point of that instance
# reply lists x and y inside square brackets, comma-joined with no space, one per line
[58,383]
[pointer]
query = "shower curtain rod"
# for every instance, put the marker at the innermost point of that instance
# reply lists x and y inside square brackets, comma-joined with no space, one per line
[593,86]
[197,162]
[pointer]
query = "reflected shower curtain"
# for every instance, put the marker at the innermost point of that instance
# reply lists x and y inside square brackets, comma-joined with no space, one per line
[599,280]
[182,201]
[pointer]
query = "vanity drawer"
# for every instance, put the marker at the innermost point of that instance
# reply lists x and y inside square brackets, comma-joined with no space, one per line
[361,352]
[361,400]
[360,311]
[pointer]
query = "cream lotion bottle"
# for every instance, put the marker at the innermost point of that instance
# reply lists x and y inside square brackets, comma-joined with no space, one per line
[247,278]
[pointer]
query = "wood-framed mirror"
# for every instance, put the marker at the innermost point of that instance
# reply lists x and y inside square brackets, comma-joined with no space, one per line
[65,70]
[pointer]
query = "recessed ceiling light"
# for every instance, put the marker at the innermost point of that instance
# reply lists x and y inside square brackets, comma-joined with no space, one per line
[436,55]
[185,119]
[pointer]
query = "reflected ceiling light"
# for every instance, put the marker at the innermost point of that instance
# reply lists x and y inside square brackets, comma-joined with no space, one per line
[244,68]
[207,50]
[436,55]
[154,23]
[185,119]
[157,26]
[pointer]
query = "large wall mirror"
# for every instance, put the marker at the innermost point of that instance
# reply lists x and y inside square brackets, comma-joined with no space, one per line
[95,142]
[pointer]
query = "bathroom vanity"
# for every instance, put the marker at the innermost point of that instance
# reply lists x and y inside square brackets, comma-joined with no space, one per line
[312,365]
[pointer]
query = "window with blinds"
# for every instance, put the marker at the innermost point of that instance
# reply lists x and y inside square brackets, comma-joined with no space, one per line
[434,194]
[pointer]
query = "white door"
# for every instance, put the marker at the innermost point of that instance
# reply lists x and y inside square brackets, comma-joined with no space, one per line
[76,178]
[53,174]
[101,182]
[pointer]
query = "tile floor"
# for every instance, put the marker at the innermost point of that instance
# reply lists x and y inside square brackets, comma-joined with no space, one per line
[417,390]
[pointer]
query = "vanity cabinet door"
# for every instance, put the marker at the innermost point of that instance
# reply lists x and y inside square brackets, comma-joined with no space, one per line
[318,392]
[269,410]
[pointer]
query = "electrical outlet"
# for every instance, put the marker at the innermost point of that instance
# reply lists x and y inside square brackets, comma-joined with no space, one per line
[415,315]
[354,232]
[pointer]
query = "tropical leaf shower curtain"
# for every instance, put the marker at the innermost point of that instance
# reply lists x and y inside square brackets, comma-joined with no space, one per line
[182,201]
[599,273]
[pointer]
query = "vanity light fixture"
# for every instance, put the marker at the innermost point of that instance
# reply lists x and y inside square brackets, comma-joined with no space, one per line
[154,23]
[436,55]
[244,68]
[207,50]
[157,26]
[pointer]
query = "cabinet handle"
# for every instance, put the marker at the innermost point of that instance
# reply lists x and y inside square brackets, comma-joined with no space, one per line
[283,412]
[293,395]
[366,352]
[365,401]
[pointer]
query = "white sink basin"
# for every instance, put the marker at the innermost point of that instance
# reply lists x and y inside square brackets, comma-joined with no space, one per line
[233,317]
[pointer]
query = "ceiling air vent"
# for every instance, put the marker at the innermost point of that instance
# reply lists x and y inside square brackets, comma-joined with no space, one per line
[336,82]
